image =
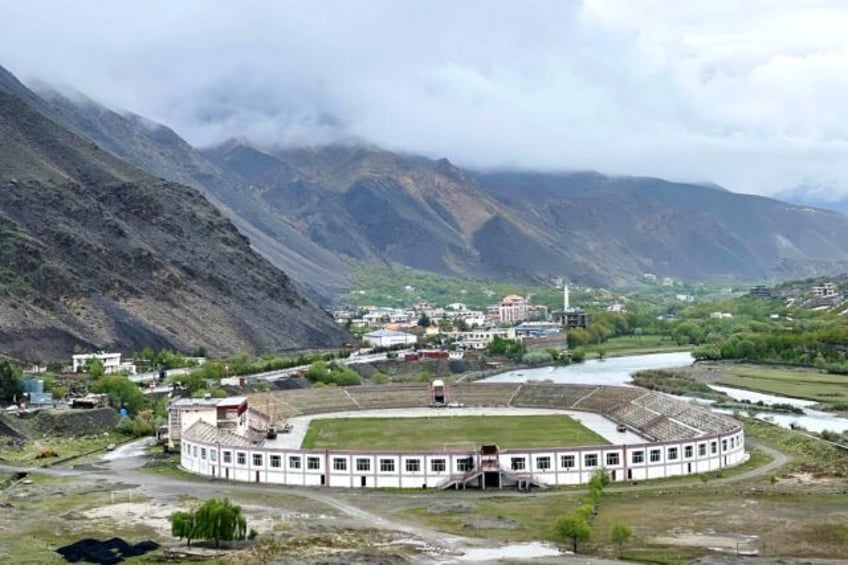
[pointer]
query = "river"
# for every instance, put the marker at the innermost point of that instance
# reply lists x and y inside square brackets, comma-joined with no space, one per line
[811,420]
[617,371]
[612,371]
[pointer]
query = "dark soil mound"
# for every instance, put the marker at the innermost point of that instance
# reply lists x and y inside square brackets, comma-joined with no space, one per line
[75,422]
[104,552]
[11,431]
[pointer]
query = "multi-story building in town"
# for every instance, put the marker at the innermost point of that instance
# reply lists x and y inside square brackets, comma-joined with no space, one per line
[480,339]
[824,290]
[513,309]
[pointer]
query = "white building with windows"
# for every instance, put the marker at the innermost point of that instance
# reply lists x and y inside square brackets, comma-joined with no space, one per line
[480,339]
[228,415]
[824,290]
[513,309]
[389,338]
[694,440]
[111,362]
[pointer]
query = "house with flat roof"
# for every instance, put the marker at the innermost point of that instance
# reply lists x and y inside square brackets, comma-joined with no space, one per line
[227,414]
[111,361]
[824,290]
[389,338]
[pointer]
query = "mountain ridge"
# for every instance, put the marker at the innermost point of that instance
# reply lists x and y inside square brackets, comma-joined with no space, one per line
[98,254]
[319,206]
[160,151]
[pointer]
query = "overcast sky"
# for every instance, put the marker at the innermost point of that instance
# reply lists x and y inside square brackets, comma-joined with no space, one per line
[750,94]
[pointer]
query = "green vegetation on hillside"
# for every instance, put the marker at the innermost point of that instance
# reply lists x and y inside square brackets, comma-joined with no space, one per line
[401,286]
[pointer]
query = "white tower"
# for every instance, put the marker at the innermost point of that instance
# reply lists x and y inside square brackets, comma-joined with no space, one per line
[565,304]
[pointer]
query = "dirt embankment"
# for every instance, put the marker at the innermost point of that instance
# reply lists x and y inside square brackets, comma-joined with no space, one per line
[61,423]
[425,369]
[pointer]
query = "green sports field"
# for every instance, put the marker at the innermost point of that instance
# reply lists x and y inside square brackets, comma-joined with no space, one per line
[438,432]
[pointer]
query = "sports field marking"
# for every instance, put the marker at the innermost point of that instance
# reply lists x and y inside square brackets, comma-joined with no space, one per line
[432,434]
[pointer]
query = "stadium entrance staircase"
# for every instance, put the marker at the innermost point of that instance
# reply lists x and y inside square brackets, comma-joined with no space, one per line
[487,473]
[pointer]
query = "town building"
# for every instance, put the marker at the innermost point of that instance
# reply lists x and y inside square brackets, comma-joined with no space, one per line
[111,362]
[34,394]
[224,414]
[576,318]
[389,338]
[480,338]
[376,317]
[513,309]
[824,290]
[720,315]
[760,291]
[537,329]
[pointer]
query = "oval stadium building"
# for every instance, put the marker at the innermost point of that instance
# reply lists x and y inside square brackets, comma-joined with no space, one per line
[650,435]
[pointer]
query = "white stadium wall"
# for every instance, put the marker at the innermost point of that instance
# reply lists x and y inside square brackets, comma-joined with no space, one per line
[393,469]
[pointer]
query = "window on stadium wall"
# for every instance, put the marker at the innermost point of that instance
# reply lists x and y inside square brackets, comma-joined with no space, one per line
[413,465]
[465,464]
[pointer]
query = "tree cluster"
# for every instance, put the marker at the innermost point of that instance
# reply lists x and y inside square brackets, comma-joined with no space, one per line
[332,374]
[11,386]
[509,348]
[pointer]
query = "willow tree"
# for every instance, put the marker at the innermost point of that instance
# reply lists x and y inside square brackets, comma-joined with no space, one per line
[182,526]
[216,519]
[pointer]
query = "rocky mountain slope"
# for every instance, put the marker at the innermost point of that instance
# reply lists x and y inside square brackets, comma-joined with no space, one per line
[376,205]
[159,151]
[96,253]
[638,225]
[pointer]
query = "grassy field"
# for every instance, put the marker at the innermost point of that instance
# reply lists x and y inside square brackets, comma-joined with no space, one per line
[798,383]
[436,432]
[632,345]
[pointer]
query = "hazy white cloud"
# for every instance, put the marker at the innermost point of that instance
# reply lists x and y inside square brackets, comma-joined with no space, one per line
[747,94]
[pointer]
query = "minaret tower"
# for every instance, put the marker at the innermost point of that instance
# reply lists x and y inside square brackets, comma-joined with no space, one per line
[565,304]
